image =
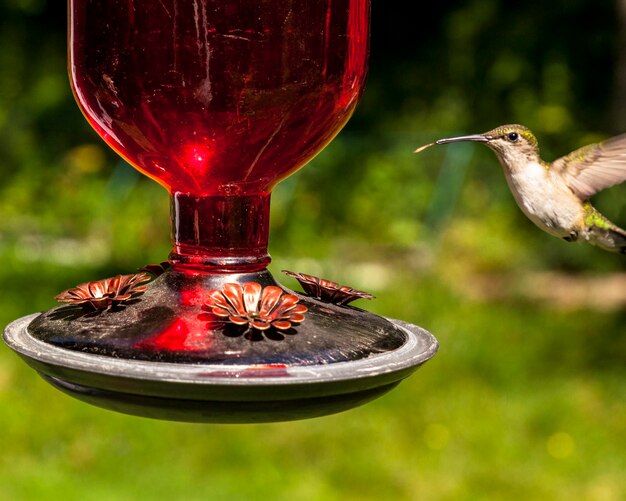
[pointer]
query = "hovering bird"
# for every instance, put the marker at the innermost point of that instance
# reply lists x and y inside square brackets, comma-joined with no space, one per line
[555,196]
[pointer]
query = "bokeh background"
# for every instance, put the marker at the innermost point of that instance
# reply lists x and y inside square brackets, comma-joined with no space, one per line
[527,396]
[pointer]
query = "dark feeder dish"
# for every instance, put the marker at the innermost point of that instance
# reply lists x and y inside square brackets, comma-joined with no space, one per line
[218,103]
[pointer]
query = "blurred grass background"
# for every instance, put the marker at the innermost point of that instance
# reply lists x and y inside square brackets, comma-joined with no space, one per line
[527,396]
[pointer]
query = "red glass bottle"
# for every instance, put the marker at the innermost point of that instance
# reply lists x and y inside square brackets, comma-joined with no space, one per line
[218,101]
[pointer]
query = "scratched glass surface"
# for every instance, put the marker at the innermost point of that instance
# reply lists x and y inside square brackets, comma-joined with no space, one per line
[218,98]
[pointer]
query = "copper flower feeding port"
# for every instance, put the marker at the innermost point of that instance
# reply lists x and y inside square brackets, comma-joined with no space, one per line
[255,306]
[209,335]
[102,294]
[326,290]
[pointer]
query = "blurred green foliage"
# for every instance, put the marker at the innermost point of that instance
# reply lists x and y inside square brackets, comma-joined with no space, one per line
[526,399]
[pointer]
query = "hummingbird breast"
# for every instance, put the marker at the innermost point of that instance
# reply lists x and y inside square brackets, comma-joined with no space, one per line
[546,199]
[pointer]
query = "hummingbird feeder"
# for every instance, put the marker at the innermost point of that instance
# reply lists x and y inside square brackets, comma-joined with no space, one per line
[218,102]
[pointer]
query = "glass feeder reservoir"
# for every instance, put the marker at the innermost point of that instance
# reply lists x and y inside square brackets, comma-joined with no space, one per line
[218,102]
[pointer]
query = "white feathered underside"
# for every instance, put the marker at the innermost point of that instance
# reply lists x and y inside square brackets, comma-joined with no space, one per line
[545,200]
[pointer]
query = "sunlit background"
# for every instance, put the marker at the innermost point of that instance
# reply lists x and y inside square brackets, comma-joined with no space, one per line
[527,397]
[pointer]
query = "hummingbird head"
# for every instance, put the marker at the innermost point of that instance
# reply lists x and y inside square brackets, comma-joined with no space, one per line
[513,144]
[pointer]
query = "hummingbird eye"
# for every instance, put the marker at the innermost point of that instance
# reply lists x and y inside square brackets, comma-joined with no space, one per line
[512,136]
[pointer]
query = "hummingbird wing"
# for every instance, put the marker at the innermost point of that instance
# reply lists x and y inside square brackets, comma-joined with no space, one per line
[592,168]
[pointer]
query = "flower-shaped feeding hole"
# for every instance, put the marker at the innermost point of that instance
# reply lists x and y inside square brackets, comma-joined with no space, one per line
[98,295]
[327,291]
[256,308]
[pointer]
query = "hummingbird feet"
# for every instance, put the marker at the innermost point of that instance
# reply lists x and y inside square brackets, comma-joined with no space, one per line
[572,237]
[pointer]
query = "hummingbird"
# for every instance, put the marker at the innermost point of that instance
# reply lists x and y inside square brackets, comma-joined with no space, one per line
[555,196]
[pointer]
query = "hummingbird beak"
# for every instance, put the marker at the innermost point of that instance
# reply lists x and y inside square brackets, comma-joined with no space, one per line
[481,138]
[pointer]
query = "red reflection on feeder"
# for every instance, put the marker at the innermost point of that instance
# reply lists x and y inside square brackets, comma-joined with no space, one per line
[197,157]
[255,371]
[188,332]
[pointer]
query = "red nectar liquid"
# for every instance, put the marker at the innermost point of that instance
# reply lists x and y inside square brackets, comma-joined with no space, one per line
[218,101]
[211,97]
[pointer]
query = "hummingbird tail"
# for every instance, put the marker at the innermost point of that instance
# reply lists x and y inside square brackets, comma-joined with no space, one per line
[605,234]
